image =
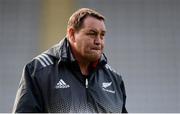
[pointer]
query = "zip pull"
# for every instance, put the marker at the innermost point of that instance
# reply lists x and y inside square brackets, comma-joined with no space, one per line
[86,83]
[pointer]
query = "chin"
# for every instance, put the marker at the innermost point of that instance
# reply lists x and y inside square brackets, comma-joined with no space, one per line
[93,58]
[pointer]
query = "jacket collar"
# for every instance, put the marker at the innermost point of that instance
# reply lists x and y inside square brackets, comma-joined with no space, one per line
[62,52]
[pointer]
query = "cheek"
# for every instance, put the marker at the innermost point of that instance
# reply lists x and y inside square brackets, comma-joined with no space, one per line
[102,44]
[82,46]
[87,42]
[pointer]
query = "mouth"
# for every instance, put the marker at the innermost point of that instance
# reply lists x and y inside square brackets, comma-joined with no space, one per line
[96,48]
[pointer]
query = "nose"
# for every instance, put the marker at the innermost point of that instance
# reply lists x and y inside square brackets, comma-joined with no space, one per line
[97,40]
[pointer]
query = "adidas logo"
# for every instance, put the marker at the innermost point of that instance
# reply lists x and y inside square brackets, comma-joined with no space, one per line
[61,84]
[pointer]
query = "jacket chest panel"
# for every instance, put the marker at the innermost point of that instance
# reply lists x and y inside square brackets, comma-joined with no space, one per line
[68,93]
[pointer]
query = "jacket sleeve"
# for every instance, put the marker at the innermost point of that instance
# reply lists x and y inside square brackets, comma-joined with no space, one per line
[124,110]
[27,97]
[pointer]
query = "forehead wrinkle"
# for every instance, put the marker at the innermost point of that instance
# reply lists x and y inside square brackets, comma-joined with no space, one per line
[94,29]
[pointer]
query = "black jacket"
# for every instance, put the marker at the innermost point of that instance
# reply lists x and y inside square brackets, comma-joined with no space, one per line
[52,82]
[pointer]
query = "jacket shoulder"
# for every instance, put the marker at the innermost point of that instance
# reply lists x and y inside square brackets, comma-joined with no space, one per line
[40,62]
[112,71]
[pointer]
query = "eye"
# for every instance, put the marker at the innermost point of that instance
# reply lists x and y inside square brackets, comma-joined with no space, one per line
[91,34]
[102,34]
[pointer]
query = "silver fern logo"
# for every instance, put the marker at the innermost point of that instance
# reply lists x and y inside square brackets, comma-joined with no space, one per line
[105,85]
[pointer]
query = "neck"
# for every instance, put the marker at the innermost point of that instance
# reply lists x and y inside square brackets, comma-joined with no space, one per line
[83,64]
[84,67]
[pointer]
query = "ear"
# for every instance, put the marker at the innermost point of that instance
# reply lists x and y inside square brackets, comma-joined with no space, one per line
[71,34]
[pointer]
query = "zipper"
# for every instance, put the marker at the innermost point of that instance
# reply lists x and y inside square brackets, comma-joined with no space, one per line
[86,83]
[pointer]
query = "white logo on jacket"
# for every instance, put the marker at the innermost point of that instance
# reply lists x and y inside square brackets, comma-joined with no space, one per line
[61,84]
[105,85]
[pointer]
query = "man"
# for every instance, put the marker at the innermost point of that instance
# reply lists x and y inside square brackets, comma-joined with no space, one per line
[73,76]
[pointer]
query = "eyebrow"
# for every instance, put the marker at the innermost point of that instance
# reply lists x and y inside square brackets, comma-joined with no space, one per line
[95,30]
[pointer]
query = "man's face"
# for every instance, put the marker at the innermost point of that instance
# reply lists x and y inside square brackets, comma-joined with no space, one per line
[89,40]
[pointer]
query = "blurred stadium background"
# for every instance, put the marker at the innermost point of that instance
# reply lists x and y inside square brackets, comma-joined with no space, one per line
[142,43]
